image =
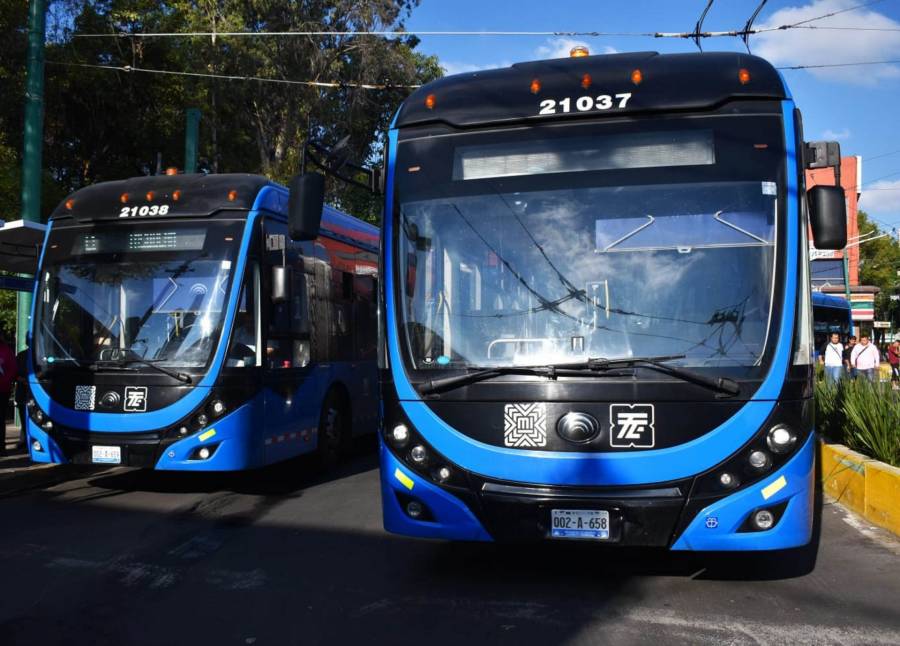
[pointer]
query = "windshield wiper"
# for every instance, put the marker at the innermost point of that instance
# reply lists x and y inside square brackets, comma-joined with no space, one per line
[719,384]
[180,376]
[584,369]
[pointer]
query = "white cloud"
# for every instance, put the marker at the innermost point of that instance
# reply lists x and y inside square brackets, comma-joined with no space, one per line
[561,46]
[827,46]
[836,135]
[881,202]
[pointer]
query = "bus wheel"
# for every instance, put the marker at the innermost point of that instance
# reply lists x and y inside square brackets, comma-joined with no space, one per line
[332,425]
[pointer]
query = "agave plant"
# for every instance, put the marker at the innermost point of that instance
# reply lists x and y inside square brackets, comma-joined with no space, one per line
[871,415]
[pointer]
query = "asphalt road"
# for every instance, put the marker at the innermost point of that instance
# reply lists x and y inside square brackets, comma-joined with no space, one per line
[283,557]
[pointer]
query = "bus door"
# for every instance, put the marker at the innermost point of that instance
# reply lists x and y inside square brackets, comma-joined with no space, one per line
[291,393]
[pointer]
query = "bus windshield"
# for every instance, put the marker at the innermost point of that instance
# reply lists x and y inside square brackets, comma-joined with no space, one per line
[150,291]
[535,251]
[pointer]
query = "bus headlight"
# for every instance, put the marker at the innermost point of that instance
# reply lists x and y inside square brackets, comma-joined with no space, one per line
[400,435]
[781,439]
[758,460]
[418,455]
[217,408]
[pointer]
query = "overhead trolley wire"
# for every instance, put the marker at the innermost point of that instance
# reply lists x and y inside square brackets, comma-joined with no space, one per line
[238,77]
[694,35]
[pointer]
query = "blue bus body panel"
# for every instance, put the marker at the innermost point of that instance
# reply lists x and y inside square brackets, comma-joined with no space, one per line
[715,527]
[453,520]
[820,299]
[631,468]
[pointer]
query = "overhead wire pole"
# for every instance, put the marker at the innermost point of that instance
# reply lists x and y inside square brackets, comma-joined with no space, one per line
[32,145]
[749,25]
[697,33]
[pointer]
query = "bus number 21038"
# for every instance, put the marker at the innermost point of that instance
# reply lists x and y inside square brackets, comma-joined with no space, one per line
[585,103]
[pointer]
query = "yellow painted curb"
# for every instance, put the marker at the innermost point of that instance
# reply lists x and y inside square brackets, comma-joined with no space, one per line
[844,476]
[868,487]
[883,495]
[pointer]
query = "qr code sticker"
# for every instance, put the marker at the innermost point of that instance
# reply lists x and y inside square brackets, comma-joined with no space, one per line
[85,397]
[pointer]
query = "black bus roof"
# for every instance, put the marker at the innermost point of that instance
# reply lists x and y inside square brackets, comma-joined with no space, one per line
[187,194]
[655,82]
[199,195]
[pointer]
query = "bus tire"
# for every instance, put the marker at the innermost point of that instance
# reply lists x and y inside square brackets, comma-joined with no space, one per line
[333,431]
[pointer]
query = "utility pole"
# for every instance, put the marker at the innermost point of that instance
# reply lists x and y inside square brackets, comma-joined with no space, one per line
[191,139]
[33,143]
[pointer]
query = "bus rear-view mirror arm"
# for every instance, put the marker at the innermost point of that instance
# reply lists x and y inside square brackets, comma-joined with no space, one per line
[827,205]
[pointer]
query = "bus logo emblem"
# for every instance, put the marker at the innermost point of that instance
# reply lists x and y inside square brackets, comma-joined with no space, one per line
[135,399]
[631,425]
[85,397]
[525,425]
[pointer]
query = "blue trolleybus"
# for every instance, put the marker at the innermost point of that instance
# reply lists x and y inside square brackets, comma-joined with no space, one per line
[597,305]
[176,325]
[831,315]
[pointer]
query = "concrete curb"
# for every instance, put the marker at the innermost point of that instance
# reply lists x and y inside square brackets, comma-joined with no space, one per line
[866,486]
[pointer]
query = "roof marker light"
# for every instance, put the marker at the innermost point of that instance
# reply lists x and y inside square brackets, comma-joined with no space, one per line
[232,195]
[150,196]
[70,203]
[123,198]
[743,76]
[176,195]
[171,170]
[430,101]
[637,77]
[535,86]
[579,51]
[586,81]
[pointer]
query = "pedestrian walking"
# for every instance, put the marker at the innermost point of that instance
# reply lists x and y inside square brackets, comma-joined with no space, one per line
[22,394]
[866,358]
[832,357]
[851,371]
[893,355]
[7,380]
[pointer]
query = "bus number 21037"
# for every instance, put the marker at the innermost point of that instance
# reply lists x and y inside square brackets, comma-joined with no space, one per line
[585,103]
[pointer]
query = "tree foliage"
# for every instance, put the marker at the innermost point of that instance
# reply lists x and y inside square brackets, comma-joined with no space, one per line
[879,262]
[103,125]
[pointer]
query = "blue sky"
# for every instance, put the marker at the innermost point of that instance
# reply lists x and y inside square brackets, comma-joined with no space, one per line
[855,105]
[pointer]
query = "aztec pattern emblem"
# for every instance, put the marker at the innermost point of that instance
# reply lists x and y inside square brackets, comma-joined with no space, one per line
[85,397]
[525,425]
[631,425]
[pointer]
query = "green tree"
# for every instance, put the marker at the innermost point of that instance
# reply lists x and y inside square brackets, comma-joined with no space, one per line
[879,262]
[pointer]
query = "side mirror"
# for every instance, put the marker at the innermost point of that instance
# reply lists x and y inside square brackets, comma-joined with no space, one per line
[280,287]
[305,206]
[828,216]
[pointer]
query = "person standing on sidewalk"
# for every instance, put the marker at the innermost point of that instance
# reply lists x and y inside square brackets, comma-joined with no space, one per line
[851,371]
[8,374]
[866,358]
[22,394]
[833,357]
[893,355]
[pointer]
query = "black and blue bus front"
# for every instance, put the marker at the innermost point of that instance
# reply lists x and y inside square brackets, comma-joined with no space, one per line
[134,296]
[598,327]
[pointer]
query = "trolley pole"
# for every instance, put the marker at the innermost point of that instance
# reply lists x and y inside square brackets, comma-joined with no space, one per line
[33,143]
[191,139]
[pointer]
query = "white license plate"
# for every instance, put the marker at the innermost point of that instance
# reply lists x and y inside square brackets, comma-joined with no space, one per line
[106,454]
[580,523]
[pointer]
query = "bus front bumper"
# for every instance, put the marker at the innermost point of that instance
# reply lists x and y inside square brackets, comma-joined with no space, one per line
[225,440]
[638,517]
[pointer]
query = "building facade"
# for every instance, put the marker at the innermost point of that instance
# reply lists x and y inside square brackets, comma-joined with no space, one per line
[837,272]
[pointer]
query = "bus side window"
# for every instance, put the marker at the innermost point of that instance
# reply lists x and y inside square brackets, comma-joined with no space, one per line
[275,250]
[244,337]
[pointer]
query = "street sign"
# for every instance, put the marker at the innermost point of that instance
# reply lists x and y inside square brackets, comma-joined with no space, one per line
[885,325]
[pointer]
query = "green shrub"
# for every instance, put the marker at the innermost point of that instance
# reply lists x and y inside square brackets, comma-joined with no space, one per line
[829,411]
[871,420]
